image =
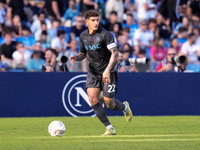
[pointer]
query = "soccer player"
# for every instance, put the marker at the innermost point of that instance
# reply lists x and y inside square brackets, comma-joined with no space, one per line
[99,44]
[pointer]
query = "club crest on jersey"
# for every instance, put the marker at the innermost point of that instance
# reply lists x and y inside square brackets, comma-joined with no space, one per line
[93,47]
[97,39]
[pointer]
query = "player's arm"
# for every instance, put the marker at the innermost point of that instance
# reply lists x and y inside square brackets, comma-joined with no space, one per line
[111,64]
[80,56]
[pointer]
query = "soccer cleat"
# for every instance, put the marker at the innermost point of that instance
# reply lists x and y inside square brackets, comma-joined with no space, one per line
[110,131]
[127,113]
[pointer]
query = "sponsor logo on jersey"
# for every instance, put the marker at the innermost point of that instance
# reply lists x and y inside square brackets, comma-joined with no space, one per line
[93,47]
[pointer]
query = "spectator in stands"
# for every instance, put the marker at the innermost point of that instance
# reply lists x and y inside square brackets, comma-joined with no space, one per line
[35,63]
[2,15]
[189,48]
[79,27]
[126,54]
[77,66]
[38,47]
[27,39]
[31,9]
[38,33]
[16,8]
[196,31]
[116,31]
[21,56]
[163,27]
[194,8]
[143,7]
[55,9]
[128,48]
[59,43]
[126,32]
[86,5]
[158,52]
[112,21]
[6,50]
[170,9]
[72,12]
[44,42]
[36,25]
[143,39]
[184,23]
[52,33]
[2,67]
[182,36]
[195,20]
[165,65]
[51,64]
[122,39]
[152,25]
[130,23]
[117,6]
[28,10]
[139,67]
[119,60]
[174,44]
[17,26]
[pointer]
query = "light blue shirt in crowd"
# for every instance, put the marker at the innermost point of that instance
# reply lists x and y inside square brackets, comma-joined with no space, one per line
[35,64]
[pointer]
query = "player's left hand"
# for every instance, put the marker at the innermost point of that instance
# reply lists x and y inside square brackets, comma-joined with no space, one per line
[106,77]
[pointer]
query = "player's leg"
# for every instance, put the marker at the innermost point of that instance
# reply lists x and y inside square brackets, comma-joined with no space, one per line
[109,92]
[114,104]
[100,112]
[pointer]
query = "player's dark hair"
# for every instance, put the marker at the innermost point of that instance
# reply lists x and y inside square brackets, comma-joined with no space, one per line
[91,13]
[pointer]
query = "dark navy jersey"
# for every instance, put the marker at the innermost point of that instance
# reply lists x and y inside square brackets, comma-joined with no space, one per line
[97,46]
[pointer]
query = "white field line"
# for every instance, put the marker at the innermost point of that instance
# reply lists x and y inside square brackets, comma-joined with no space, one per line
[157,136]
[135,136]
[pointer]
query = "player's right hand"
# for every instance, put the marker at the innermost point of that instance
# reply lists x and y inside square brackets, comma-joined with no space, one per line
[72,59]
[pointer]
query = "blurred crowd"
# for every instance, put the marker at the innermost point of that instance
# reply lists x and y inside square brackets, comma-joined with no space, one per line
[155,29]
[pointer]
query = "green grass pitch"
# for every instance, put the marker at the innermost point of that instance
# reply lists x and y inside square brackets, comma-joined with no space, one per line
[84,133]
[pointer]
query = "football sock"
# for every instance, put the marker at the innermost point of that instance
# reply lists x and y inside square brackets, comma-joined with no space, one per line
[109,126]
[101,114]
[119,105]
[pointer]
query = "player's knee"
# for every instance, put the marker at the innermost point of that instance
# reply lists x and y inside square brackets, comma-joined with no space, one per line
[109,105]
[93,100]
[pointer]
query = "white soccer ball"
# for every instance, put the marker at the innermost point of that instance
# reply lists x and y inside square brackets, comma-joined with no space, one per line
[56,128]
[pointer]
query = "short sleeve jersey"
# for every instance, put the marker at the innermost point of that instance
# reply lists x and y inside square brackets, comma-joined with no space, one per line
[97,46]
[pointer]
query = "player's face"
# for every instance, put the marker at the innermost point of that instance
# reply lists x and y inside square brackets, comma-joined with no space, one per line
[93,23]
